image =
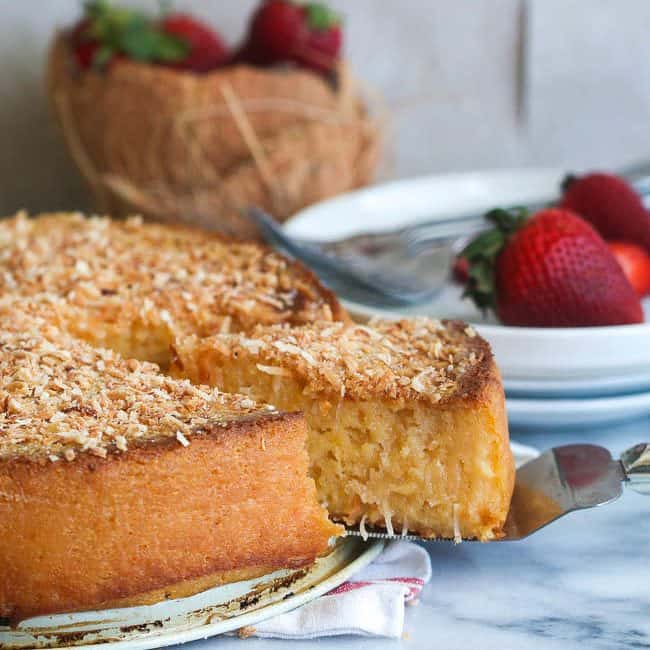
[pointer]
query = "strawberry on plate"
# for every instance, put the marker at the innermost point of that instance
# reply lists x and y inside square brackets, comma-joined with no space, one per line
[635,263]
[610,204]
[460,270]
[550,270]
[283,31]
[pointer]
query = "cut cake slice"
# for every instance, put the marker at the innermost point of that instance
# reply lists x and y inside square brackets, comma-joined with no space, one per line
[407,423]
[121,486]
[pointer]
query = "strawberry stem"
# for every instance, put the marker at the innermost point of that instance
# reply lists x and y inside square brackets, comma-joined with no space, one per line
[320,17]
[482,254]
[567,182]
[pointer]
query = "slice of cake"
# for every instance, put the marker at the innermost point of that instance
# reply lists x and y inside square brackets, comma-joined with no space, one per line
[121,486]
[407,424]
[134,287]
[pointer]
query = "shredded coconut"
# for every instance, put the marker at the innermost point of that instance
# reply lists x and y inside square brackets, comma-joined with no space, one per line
[362,529]
[274,370]
[408,359]
[388,519]
[457,536]
[182,439]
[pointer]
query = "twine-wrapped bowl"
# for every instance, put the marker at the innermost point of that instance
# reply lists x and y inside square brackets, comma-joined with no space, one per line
[185,148]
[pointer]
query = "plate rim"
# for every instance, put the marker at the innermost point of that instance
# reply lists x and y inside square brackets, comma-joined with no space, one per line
[368,553]
[401,184]
[526,413]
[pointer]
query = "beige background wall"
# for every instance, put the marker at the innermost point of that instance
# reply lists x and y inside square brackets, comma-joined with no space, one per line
[470,84]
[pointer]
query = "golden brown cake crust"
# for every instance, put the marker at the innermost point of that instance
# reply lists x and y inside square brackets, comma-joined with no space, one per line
[89,538]
[421,359]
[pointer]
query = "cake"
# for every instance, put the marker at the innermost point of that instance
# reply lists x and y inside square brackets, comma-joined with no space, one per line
[136,287]
[407,423]
[122,483]
[121,486]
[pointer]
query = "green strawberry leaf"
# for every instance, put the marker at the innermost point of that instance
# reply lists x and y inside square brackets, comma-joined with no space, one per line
[137,40]
[484,250]
[171,48]
[321,17]
[132,33]
[103,55]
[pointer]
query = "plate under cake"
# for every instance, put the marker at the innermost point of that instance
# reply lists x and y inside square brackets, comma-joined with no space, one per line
[122,486]
[407,424]
[134,287]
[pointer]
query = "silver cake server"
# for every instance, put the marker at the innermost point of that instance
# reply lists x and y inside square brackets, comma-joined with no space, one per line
[560,481]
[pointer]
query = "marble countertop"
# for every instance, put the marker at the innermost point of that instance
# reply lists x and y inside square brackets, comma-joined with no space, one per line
[583,582]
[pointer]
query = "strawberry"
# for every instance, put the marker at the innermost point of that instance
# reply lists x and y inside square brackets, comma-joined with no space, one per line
[610,204]
[107,33]
[552,270]
[635,263]
[85,47]
[206,49]
[460,270]
[322,49]
[282,31]
[277,31]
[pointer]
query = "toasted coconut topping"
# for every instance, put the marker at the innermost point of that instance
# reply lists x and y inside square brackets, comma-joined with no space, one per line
[458,538]
[121,272]
[362,528]
[60,397]
[409,359]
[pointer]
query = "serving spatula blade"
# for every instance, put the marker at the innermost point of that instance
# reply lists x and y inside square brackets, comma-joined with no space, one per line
[560,481]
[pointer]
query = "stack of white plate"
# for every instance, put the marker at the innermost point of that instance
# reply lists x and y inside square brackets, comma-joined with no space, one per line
[553,377]
[573,377]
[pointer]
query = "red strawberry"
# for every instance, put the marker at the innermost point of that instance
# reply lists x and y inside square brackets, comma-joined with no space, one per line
[610,204]
[460,270]
[323,47]
[277,30]
[206,49]
[285,31]
[84,45]
[635,263]
[552,270]
[108,33]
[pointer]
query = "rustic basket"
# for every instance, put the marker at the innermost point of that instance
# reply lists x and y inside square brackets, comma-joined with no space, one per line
[180,147]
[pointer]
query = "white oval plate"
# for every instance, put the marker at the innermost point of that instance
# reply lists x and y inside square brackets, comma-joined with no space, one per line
[564,413]
[584,355]
[209,613]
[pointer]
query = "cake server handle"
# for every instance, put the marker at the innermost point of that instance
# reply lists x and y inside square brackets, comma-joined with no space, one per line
[636,465]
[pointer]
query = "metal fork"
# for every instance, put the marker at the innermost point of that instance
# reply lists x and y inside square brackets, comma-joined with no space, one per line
[368,280]
[403,267]
[560,481]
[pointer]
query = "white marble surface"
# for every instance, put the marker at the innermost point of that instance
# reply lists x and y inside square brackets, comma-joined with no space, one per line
[582,583]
